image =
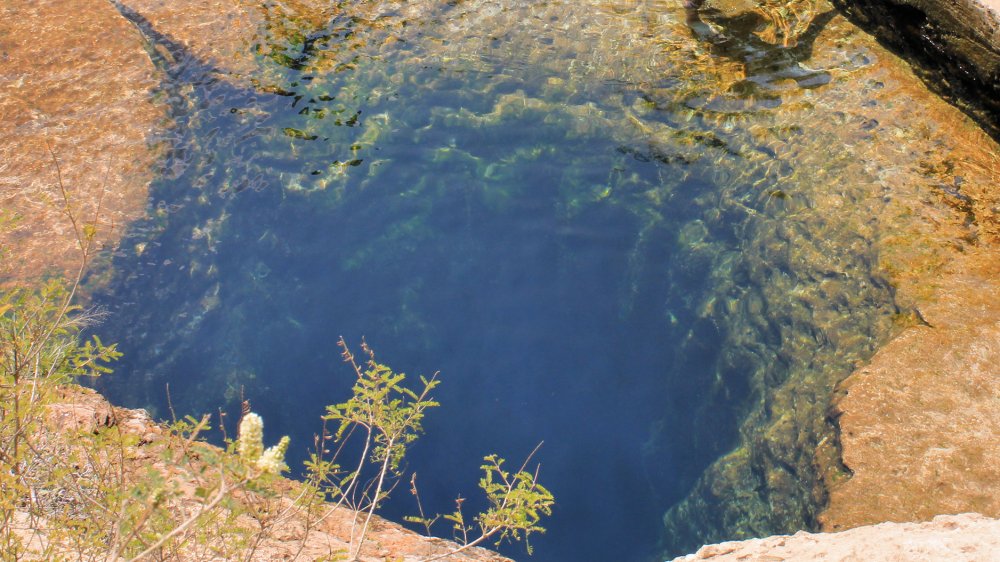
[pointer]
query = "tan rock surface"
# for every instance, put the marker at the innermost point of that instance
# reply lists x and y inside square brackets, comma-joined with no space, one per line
[80,86]
[218,33]
[920,425]
[957,538]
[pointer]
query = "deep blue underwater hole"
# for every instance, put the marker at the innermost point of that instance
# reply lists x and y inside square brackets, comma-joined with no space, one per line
[572,270]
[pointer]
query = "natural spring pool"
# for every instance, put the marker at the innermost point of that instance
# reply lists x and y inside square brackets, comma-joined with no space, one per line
[637,231]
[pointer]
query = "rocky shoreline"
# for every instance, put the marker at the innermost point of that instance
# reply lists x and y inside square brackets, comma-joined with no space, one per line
[956,45]
[918,424]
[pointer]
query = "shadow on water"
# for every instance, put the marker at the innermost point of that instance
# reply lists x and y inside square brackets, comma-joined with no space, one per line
[768,69]
[579,275]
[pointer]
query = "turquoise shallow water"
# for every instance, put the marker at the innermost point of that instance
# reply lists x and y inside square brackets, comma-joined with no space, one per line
[585,236]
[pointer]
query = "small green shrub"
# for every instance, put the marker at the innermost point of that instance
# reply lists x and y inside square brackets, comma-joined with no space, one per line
[100,494]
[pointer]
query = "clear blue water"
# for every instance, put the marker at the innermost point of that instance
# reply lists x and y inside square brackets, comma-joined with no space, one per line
[574,244]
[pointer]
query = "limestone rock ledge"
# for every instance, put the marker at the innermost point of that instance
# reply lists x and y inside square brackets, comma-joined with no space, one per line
[957,538]
[919,423]
[956,42]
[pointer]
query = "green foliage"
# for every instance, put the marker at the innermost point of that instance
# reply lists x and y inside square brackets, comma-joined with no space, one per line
[38,338]
[389,417]
[98,502]
[88,493]
[39,351]
[391,413]
[517,502]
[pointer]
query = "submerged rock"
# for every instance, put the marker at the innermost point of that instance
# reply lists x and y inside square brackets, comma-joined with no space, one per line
[75,88]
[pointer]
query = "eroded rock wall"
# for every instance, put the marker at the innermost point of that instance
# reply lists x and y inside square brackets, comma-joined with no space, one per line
[955,43]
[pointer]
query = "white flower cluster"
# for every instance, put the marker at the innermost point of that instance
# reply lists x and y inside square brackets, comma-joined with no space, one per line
[250,446]
[273,459]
